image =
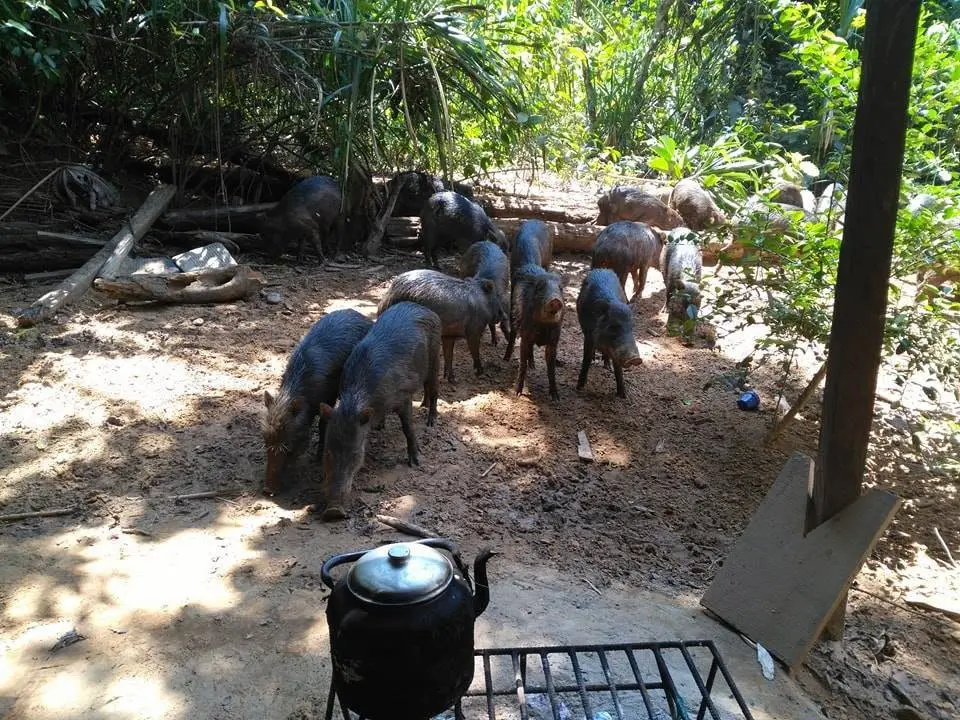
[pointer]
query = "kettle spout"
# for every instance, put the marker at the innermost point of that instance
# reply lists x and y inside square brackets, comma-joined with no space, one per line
[481,595]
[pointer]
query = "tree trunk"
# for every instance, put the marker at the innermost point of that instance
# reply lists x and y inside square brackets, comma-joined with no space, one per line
[78,283]
[380,226]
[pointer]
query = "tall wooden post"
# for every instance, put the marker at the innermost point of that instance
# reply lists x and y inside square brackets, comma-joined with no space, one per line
[859,310]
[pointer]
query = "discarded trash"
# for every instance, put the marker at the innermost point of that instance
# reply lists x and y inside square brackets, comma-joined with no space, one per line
[209,257]
[539,708]
[67,639]
[766,662]
[749,400]
[272,297]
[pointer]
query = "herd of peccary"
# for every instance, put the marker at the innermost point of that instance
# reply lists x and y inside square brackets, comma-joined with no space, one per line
[351,372]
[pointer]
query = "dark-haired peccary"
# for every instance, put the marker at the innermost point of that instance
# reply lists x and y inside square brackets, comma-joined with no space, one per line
[682,266]
[309,210]
[607,324]
[485,260]
[450,220]
[399,356]
[417,187]
[628,248]
[630,203]
[532,246]
[536,315]
[465,308]
[695,205]
[312,377]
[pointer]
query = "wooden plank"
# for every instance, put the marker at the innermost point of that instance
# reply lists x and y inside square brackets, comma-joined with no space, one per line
[859,313]
[780,587]
[584,451]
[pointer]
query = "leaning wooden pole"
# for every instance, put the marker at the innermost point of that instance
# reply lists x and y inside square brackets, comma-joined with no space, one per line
[863,275]
[121,244]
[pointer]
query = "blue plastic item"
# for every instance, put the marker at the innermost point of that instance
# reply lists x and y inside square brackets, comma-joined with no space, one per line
[748,400]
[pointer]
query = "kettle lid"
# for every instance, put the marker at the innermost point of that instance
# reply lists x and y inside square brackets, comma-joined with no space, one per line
[400,574]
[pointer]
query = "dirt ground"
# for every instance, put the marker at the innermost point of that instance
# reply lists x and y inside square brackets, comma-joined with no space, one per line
[116,409]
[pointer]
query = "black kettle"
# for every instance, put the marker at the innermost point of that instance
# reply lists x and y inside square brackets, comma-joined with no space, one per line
[401,628]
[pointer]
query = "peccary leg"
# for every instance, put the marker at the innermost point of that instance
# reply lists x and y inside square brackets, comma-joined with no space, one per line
[447,343]
[405,413]
[639,275]
[511,341]
[618,374]
[588,351]
[526,350]
[430,392]
[552,371]
[493,333]
[474,344]
[318,244]
[322,429]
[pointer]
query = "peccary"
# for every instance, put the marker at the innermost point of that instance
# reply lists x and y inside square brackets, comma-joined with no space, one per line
[417,187]
[681,264]
[465,307]
[695,205]
[312,376]
[532,246]
[450,220]
[310,209]
[607,324]
[537,317]
[628,248]
[486,260]
[629,203]
[399,355]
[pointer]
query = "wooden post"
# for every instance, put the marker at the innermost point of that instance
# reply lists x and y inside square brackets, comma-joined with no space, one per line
[863,275]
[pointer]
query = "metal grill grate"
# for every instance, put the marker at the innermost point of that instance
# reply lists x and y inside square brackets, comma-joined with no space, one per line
[634,681]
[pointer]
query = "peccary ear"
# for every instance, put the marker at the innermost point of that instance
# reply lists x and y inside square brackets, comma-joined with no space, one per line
[296,405]
[326,411]
[268,399]
[602,306]
[365,416]
[488,287]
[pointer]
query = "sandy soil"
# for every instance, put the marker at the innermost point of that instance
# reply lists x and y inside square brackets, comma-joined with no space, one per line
[116,409]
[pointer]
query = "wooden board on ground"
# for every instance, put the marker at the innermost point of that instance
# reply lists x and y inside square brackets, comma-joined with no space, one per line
[584,451]
[780,588]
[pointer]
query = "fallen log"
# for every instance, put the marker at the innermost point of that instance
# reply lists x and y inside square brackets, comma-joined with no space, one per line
[240,218]
[26,250]
[514,207]
[234,241]
[78,283]
[194,288]
[71,238]
[49,275]
[567,237]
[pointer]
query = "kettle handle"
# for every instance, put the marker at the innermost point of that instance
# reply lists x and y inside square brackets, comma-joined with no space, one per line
[338,560]
[450,547]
